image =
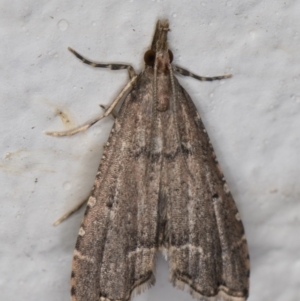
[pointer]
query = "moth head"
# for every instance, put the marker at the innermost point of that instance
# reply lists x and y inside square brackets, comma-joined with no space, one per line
[150,55]
[159,51]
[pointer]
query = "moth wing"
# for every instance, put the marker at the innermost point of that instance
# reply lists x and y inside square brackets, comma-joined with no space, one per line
[204,235]
[116,245]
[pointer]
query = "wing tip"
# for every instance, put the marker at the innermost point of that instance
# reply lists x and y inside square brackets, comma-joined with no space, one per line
[143,287]
[140,288]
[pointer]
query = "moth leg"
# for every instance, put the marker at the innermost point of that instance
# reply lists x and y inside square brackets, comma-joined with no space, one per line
[88,124]
[185,72]
[69,213]
[113,113]
[129,68]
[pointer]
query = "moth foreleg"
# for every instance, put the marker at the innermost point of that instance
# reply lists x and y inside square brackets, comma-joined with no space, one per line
[129,68]
[185,72]
[69,213]
[90,123]
[113,113]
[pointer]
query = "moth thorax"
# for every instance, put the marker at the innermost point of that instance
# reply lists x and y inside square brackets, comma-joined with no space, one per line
[163,104]
[164,92]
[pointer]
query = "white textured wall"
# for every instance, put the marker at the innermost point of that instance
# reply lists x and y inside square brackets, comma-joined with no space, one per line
[253,120]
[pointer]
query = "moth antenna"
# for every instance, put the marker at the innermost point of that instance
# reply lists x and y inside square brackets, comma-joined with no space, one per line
[175,114]
[154,107]
[172,82]
[155,84]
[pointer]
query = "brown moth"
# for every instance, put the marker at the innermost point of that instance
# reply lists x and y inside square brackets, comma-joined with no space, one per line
[158,187]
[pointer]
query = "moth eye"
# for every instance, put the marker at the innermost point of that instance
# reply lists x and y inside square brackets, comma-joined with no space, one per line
[149,57]
[170,55]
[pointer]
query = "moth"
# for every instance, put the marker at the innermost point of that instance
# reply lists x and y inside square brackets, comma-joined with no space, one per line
[158,187]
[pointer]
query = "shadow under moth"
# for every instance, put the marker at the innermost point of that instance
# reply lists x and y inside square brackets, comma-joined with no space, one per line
[158,187]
